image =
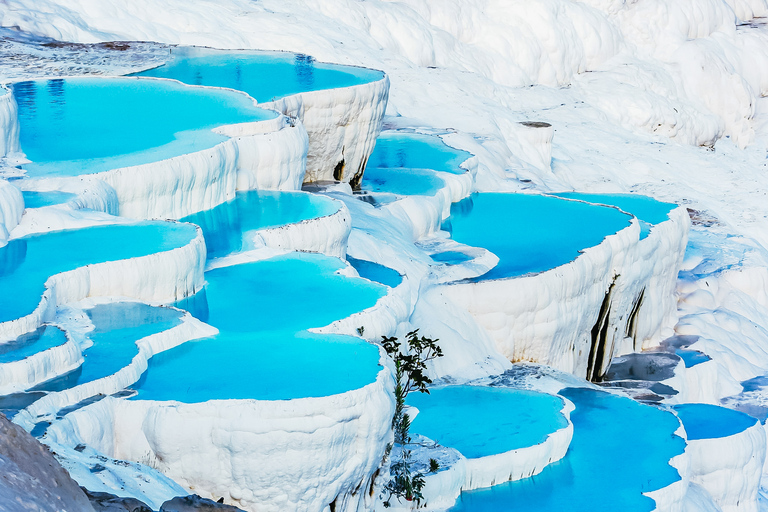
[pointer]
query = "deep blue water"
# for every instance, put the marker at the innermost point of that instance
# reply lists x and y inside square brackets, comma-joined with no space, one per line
[530,233]
[404,182]
[263,350]
[26,263]
[376,272]
[692,357]
[480,421]
[48,198]
[395,149]
[30,343]
[263,75]
[225,225]
[705,421]
[620,449]
[80,126]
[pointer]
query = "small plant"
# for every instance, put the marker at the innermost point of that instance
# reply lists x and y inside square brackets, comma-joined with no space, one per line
[410,367]
[434,466]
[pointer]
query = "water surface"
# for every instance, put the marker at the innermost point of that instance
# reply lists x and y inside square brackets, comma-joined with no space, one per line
[43,338]
[396,149]
[705,421]
[48,198]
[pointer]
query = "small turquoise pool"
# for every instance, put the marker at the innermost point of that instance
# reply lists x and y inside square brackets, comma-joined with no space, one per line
[78,126]
[376,272]
[480,421]
[26,263]
[648,210]
[705,421]
[395,149]
[620,449]
[265,76]
[403,182]
[225,225]
[530,233]
[263,351]
[450,257]
[692,357]
[48,198]
[31,343]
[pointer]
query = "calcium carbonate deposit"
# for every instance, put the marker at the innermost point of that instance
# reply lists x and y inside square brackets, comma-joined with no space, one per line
[216,217]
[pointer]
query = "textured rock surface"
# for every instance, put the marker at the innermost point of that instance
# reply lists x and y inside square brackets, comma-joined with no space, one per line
[194,503]
[31,479]
[106,502]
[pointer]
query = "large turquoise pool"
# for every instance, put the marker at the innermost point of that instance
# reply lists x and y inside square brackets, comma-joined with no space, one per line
[77,126]
[705,421]
[620,449]
[530,233]
[402,182]
[26,263]
[395,149]
[265,76]
[225,225]
[263,351]
[479,421]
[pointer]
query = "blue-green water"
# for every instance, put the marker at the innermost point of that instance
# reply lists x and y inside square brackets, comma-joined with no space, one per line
[48,198]
[225,225]
[263,351]
[404,182]
[530,233]
[30,343]
[450,257]
[620,449]
[396,149]
[263,75]
[376,272]
[648,210]
[705,421]
[479,421]
[80,126]
[26,263]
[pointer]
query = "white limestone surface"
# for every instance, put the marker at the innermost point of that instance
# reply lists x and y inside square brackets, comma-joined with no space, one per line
[9,123]
[301,454]
[11,209]
[161,277]
[342,124]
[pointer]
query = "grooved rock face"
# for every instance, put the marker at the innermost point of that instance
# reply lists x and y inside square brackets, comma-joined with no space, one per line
[31,479]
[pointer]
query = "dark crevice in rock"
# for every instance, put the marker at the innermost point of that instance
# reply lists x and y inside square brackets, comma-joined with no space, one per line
[631,331]
[599,338]
[338,171]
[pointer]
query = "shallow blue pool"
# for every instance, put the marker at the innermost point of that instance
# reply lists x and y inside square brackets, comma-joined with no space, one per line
[705,421]
[530,233]
[48,198]
[692,357]
[376,272]
[80,126]
[263,75]
[403,182]
[395,149]
[225,225]
[480,421]
[263,350]
[648,210]
[450,257]
[620,449]
[31,343]
[26,263]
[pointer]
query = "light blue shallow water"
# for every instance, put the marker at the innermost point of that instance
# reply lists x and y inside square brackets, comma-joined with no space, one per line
[620,449]
[396,149]
[48,198]
[28,344]
[376,272]
[225,225]
[404,182]
[26,263]
[530,233]
[263,75]
[692,357]
[480,421]
[648,210]
[705,421]
[262,350]
[80,126]
[450,257]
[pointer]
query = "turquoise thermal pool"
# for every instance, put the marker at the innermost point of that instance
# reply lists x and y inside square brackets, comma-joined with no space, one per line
[225,226]
[530,233]
[402,182]
[620,449]
[76,126]
[26,263]
[395,149]
[376,272]
[31,343]
[263,351]
[265,76]
[648,210]
[48,198]
[705,421]
[480,421]
[450,257]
